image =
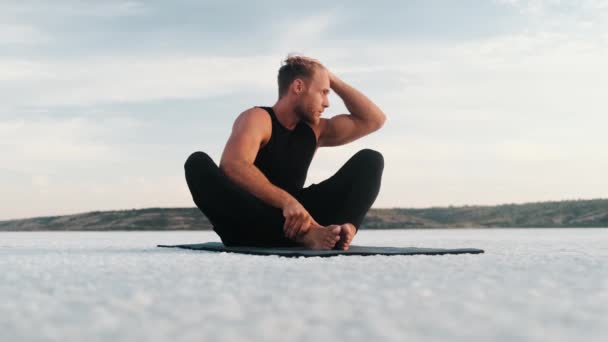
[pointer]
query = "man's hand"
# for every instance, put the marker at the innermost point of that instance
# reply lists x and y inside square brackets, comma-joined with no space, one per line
[332,78]
[297,219]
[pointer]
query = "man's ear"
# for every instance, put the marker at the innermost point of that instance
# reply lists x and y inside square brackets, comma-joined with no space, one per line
[299,85]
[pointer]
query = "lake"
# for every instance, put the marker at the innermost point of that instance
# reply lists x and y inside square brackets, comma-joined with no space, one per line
[530,285]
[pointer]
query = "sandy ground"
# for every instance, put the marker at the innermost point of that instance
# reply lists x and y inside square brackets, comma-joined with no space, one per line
[530,285]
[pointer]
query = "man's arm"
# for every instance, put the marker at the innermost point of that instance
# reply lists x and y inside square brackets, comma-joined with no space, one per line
[248,133]
[364,118]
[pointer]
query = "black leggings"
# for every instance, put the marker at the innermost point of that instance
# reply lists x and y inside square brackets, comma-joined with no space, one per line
[241,219]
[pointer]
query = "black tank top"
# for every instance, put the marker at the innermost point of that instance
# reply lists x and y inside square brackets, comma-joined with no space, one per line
[287,155]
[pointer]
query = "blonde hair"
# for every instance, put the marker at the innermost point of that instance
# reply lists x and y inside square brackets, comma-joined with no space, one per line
[296,66]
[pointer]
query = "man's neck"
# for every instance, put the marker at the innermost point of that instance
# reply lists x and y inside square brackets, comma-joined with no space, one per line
[286,114]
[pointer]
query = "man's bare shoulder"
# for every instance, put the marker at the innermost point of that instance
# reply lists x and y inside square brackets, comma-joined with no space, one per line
[255,114]
[254,120]
[253,117]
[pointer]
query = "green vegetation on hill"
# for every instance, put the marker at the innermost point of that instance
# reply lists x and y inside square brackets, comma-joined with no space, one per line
[576,213]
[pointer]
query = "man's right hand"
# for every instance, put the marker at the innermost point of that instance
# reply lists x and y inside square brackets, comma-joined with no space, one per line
[297,219]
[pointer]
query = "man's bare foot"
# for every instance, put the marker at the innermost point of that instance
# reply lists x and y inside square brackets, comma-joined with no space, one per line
[347,233]
[320,238]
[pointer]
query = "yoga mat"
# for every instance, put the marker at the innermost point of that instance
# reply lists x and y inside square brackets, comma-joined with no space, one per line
[303,252]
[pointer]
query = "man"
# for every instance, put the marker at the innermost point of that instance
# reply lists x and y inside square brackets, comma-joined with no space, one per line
[256,196]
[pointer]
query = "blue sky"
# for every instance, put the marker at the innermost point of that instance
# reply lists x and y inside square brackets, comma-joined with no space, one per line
[488,102]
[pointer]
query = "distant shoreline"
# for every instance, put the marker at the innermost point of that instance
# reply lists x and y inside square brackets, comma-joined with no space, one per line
[557,214]
[364,228]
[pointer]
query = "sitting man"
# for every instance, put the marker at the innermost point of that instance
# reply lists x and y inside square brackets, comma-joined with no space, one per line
[256,196]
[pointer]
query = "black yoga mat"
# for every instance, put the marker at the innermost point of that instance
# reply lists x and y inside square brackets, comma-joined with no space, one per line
[303,252]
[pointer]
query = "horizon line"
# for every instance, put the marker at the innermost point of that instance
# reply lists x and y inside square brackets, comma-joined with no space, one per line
[379,208]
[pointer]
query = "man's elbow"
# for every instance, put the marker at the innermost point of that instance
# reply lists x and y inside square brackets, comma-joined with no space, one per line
[228,167]
[379,122]
[233,168]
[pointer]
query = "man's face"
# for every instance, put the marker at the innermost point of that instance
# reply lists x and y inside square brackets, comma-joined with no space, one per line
[314,99]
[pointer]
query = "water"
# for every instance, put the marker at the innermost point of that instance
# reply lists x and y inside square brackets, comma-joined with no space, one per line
[530,285]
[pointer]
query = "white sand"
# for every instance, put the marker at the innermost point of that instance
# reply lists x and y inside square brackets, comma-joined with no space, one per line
[530,285]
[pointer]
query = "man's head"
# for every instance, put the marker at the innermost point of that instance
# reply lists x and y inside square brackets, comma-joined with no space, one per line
[304,83]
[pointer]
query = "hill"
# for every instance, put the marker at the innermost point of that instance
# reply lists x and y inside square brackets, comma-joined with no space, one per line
[575,213]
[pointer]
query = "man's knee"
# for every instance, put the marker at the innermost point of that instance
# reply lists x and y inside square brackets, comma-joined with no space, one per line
[371,159]
[198,160]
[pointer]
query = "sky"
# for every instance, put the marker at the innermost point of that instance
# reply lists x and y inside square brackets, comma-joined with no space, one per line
[487,102]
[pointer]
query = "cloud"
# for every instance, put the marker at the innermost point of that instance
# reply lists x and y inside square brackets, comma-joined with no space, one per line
[46,195]
[11,34]
[134,77]
[304,32]
[129,79]
[34,9]
[30,144]
[562,16]
[52,166]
